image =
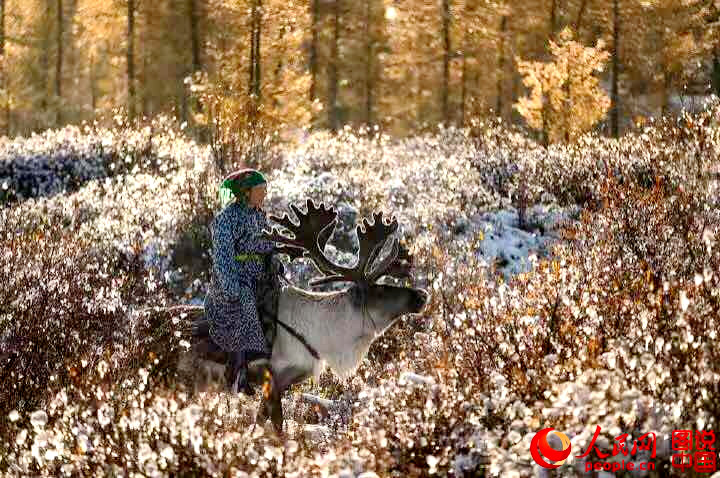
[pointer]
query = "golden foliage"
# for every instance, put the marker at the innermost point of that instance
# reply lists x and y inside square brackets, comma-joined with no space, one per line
[565,97]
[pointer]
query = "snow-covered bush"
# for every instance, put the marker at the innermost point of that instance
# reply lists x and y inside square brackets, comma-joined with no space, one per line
[63,160]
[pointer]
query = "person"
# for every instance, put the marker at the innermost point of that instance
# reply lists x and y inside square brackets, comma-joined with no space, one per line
[239,261]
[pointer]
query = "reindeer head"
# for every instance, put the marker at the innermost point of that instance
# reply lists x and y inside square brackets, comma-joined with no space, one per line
[382,302]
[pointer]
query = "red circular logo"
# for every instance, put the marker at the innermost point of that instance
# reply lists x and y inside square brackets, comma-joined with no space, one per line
[539,444]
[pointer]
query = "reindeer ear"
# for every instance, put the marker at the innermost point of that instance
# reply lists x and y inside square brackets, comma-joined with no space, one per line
[398,263]
[404,254]
[399,270]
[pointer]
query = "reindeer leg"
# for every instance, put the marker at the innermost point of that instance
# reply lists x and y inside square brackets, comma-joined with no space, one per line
[267,380]
[276,411]
[283,381]
[271,406]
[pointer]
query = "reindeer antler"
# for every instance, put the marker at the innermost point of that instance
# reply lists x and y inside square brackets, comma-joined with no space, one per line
[313,231]
[311,234]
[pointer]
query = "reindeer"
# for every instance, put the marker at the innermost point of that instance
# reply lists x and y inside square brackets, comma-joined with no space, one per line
[335,329]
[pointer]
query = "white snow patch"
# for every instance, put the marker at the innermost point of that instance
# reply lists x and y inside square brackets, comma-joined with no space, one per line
[417,379]
[512,249]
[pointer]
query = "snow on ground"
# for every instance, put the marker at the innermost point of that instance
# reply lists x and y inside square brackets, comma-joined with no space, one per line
[513,249]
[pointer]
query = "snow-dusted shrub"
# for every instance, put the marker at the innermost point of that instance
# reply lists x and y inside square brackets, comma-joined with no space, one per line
[63,160]
[75,266]
[632,303]
[676,151]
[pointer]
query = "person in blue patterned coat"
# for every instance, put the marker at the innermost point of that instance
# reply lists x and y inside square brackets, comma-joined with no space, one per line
[238,263]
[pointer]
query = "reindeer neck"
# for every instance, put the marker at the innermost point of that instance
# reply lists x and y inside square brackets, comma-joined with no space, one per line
[332,323]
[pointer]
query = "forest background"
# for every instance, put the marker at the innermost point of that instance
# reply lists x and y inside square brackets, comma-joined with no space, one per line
[224,67]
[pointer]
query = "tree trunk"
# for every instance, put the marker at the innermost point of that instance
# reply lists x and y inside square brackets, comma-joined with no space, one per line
[131,58]
[145,100]
[553,18]
[3,70]
[258,56]
[578,19]
[716,73]
[667,83]
[45,61]
[279,66]
[254,86]
[333,70]
[615,112]
[194,35]
[313,49]
[446,60]
[667,78]
[463,84]
[368,65]
[188,102]
[251,69]
[544,113]
[93,84]
[567,104]
[501,66]
[516,79]
[59,62]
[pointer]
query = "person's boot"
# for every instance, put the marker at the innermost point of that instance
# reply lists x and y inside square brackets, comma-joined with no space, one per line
[241,383]
[236,375]
[230,374]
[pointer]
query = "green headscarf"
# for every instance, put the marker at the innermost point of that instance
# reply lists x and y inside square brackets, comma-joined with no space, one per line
[236,184]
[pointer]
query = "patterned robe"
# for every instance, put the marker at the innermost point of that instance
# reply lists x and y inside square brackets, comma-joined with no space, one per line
[230,303]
